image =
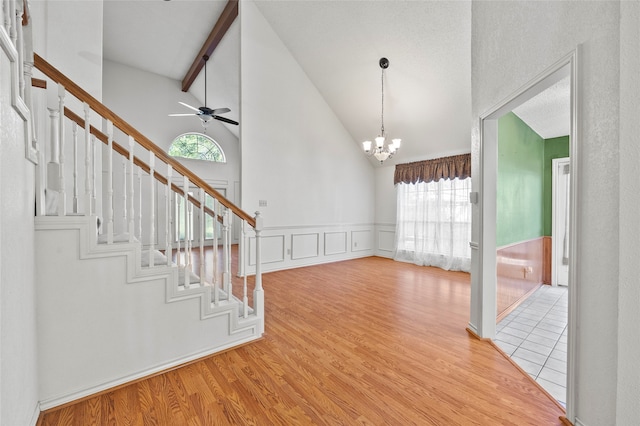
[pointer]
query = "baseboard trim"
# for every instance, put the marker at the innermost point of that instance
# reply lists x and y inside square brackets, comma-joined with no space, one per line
[502,315]
[58,403]
[565,421]
[475,335]
[35,417]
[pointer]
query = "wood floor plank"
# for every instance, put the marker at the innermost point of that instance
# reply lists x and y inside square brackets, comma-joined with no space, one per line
[363,342]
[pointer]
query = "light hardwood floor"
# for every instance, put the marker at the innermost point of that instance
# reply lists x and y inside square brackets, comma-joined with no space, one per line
[368,341]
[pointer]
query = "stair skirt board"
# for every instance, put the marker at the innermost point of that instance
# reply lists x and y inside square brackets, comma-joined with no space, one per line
[50,403]
[93,245]
[240,330]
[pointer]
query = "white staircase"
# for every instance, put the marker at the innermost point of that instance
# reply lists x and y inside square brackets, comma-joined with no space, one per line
[120,294]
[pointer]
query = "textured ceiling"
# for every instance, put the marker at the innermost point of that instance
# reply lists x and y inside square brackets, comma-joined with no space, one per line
[549,113]
[338,45]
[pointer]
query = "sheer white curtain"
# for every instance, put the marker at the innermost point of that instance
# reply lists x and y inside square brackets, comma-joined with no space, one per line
[434,224]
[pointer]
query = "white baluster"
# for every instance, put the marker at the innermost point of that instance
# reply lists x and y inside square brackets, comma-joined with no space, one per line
[41,185]
[123,220]
[216,293]
[19,43]
[152,208]
[13,32]
[131,213]
[228,254]
[53,166]
[258,293]
[94,192]
[241,249]
[179,226]
[202,236]
[74,129]
[189,243]
[62,197]
[110,211]
[26,35]
[140,204]
[3,14]
[245,298]
[168,214]
[187,233]
[88,187]
[226,277]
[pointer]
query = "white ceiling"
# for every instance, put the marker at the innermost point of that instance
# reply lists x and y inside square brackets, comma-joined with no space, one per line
[164,37]
[549,113]
[338,45]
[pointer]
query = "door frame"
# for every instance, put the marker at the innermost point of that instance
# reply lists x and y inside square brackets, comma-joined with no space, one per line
[554,222]
[483,262]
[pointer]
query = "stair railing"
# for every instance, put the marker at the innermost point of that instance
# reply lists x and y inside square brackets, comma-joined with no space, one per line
[168,196]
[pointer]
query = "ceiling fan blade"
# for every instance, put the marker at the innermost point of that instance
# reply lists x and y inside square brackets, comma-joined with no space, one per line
[220,111]
[189,106]
[226,120]
[181,115]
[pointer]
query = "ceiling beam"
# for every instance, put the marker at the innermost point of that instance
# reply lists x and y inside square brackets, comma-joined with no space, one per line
[219,30]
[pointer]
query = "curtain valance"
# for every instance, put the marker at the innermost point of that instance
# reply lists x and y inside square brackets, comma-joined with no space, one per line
[456,166]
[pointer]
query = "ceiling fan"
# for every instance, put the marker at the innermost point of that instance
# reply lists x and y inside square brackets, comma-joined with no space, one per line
[204,113]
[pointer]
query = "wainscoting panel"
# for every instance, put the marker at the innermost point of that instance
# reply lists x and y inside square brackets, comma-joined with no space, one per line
[335,243]
[304,246]
[386,240]
[272,249]
[361,240]
[519,270]
[522,261]
[289,247]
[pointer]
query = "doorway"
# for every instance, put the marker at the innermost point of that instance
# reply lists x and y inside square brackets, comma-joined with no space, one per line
[483,278]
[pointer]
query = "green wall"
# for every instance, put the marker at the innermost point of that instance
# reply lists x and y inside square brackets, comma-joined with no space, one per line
[524,181]
[553,148]
[520,171]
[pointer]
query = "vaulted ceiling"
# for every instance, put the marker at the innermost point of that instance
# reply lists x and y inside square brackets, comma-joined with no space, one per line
[338,45]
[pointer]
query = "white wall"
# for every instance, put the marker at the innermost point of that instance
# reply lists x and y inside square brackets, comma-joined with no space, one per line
[18,341]
[80,57]
[296,155]
[385,211]
[68,34]
[511,43]
[628,383]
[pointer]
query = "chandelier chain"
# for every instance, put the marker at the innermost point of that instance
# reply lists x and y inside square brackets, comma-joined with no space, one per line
[382,114]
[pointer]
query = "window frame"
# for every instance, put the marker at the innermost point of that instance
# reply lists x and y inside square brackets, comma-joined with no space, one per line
[205,137]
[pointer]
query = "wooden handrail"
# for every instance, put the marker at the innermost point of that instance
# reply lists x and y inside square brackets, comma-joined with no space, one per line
[50,71]
[138,162]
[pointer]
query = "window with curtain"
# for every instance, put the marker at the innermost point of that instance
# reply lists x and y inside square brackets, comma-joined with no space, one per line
[434,214]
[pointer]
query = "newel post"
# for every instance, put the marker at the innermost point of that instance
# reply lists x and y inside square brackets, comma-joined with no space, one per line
[258,293]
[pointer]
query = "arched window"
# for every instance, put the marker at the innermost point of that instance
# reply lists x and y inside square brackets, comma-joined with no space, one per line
[198,147]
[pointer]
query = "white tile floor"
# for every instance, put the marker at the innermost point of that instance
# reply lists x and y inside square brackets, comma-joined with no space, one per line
[535,336]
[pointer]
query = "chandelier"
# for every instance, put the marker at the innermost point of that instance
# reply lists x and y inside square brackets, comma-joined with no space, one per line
[383,148]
